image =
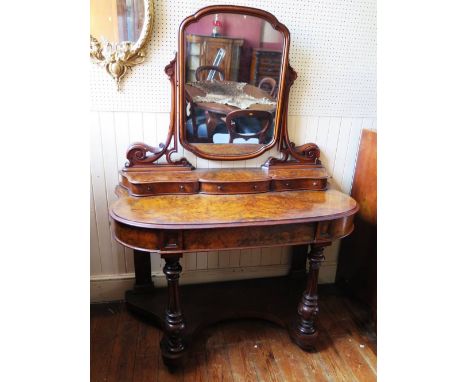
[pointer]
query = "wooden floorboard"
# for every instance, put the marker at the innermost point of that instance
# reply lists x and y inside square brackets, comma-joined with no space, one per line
[104,324]
[148,356]
[122,354]
[125,348]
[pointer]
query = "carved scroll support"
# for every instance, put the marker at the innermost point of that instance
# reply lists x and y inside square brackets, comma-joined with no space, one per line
[172,343]
[291,155]
[143,157]
[304,330]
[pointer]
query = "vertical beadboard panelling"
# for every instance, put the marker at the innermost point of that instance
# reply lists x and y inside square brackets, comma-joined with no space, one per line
[329,149]
[368,123]
[275,255]
[234,258]
[109,155]
[223,259]
[150,131]
[135,127]
[265,256]
[335,247]
[122,142]
[162,125]
[109,264]
[190,261]
[95,263]
[122,137]
[340,156]
[285,255]
[310,134]
[351,154]
[191,157]
[156,263]
[203,163]
[245,257]
[202,260]
[212,260]
[293,127]
[321,140]
[255,257]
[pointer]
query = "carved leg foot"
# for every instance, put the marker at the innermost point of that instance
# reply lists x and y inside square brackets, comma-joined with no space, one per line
[172,343]
[304,330]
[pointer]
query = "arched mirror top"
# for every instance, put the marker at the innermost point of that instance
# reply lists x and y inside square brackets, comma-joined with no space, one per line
[232,69]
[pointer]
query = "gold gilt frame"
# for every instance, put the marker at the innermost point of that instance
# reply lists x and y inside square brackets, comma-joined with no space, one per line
[117,58]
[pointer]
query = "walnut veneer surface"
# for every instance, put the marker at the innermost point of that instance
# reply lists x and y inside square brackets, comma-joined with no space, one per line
[198,211]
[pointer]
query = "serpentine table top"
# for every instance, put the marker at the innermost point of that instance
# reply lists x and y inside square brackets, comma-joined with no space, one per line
[210,211]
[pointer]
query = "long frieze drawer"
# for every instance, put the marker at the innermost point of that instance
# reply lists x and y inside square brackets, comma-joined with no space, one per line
[159,188]
[250,187]
[298,184]
[235,237]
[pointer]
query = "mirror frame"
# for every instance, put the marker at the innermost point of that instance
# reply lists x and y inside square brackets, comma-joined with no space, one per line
[281,108]
[124,55]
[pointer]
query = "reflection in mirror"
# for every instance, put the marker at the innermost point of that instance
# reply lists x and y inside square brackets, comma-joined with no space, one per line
[115,21]
[119,31]
[232,70]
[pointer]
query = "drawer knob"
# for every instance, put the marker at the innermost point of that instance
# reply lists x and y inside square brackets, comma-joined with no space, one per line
[287,184]
[220,188]
[182,187]
[148,188]
[255,187]
[314,183]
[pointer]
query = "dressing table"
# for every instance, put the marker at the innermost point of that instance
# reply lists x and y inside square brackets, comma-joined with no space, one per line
[167,206]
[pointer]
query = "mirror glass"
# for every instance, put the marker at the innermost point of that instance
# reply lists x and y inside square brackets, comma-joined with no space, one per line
[232,75]
[117,21]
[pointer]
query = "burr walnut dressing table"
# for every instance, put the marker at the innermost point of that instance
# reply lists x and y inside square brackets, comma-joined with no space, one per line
[165,205]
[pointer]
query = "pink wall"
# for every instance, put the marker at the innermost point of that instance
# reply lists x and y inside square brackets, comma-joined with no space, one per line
[272,45]
[236,26]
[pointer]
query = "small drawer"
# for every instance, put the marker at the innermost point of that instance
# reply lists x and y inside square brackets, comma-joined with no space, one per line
[172,240]
[165,188]
[251,187]
[299,184]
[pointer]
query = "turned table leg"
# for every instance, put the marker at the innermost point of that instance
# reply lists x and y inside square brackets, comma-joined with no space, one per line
[143,280]
[172,343]
[304,331]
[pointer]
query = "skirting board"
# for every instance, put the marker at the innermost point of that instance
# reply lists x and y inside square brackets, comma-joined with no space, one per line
[112,287]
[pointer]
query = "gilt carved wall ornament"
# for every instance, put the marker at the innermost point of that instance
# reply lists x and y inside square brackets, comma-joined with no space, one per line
[119,36]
